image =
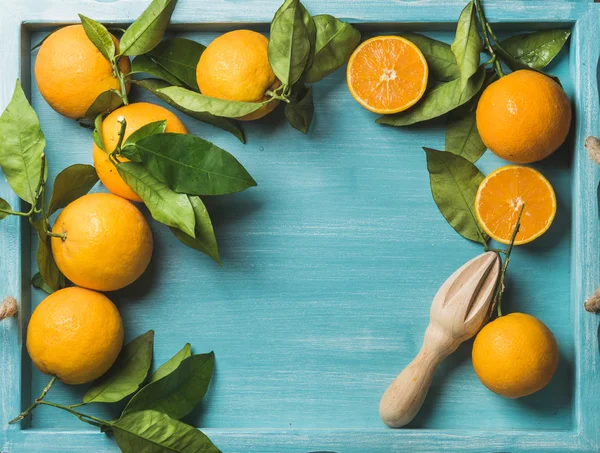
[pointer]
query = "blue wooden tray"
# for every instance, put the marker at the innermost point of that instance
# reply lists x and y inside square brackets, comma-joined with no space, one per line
[330,264]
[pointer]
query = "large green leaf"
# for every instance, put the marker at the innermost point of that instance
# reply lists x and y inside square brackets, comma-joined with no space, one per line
[454,183]
[299,112]
[289,42]
[467,44]
[22,145]
[229,125]
[127,374]
[192,165]
[129,151]
[4,209]
[205,240]
[99,36]
[439,56]
[71,183]
[334,44]
[535,50]
[47,267]
[462,136]
[442,99]
[148,30]
[171,365]
[180,57]
[146,65]
[153,432]
[179,392]
[166,206]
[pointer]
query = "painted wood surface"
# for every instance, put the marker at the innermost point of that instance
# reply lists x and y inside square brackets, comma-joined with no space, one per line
[330,263]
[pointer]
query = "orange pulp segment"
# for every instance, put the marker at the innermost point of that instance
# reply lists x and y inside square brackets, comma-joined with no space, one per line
[387,74]
[500,197]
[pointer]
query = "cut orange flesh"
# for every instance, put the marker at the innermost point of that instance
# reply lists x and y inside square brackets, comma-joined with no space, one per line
[387,74]
[500,197]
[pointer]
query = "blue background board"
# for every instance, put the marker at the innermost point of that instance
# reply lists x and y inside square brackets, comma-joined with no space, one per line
[330,265]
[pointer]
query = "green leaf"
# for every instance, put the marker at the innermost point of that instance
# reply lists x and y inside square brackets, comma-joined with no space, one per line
[97,133]
[22,144]
[336,40]
[311,28]
[105,103]
[166,206]
[126,375]
[454,183]
[205,240]
[192,165]
[45,260]
[145,64]
[178,393]
[169,366]
[535,50]
[438,54]
[231,126]
[180,57]
[99,36]
[467,44]
[70,184]
[153,432]
[442,99]
[198,103]
[38,282]
[129,151]
[300,112]
[4,206]
[289,42]
[462,136]
[148,30]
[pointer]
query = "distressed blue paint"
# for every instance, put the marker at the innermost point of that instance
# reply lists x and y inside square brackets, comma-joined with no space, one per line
[329,268]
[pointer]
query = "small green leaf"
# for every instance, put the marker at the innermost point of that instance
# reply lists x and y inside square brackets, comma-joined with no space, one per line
[105,103]
[45,260]
[99,36]
[153,432]
[22,144]
[148,30]
[192,165]
[4,206]
[231,126]
[38,282]
[166,206]
[127,374]
[336,40]
[179,392]
[146,65]
[289,42]
[438,54]
[180,57]
[205,240]
[169,366]
[97,133]
[299,112]
[70,184]
[442,99]
[454,183]
[535,50]
[129,151]
[467,44]
[462,136]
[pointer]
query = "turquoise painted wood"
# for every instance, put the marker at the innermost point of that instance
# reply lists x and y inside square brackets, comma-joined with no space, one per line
[330,264]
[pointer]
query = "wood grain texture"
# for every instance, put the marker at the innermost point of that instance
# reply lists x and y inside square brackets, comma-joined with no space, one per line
[327,275]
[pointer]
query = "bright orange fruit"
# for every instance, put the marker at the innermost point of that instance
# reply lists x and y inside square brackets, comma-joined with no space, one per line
[387,74]
[500,197]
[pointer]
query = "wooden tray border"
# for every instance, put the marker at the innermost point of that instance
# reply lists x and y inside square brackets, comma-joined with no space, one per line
[16,24]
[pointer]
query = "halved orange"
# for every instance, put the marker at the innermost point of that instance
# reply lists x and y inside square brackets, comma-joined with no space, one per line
[387,74]
[500,197]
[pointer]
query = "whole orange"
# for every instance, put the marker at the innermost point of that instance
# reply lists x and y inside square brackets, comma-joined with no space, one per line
[523,117]
[106,244]
[235,66]
[136,115]
[75,334]
[515,355]
[71,72]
